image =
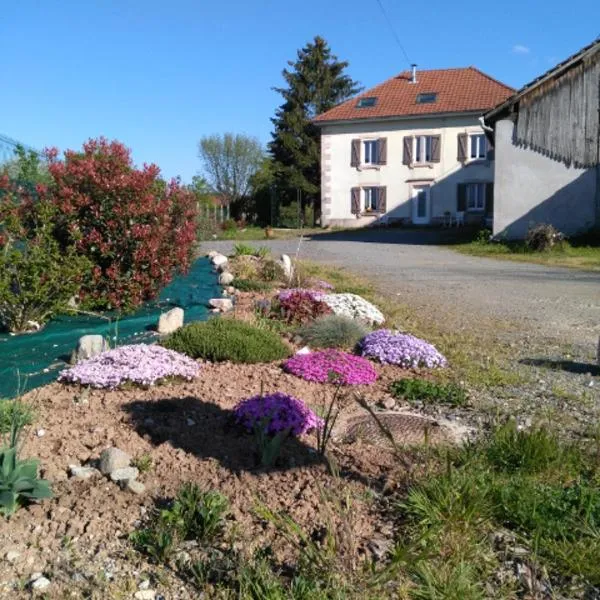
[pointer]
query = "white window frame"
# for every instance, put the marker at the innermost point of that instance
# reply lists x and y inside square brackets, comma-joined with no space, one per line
[372,162]
[481,139]
[423,142]
[475,196]
[373,192]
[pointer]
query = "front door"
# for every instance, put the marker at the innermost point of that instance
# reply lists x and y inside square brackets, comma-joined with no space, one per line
[421,204]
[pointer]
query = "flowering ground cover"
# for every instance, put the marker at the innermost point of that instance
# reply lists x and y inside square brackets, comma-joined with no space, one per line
[355,307]
[140,363]
[279,411]
[331,364]
[402,349]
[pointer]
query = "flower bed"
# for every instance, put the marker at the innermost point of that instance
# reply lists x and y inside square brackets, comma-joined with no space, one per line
[300,306]
[310,293]
[331,365]
[140,363]
[402,349]
[279,412]
[354,306]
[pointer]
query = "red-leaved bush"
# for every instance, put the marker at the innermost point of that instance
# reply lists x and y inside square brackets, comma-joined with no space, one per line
[136,229]
[300,306]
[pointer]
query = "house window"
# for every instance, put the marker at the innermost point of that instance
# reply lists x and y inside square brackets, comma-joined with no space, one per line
[367,102]
[427,98]
[422,152]
[477,146]
[370,152]
[371,195]
[475,196]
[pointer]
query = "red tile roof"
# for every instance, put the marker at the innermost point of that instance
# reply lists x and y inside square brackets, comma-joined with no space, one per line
[458,90]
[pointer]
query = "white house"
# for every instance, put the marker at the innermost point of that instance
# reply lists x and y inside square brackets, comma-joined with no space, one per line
[547,150]
[411,149]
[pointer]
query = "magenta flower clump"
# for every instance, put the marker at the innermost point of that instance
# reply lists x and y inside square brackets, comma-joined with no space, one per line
[312,294]
[140,363]
[402,349]
[278,412]
[331,366]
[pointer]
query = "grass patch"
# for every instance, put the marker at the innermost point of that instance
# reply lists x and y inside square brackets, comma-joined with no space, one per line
[429,392]
[14,413]
[226,339]
[333,331]
[581,253]
[242,249]
[252,285]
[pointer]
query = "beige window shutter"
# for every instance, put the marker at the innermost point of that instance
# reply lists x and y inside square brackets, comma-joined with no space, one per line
[382,151]
[407,155]
[436,143]
[355,153]
[462,151]
[355,200]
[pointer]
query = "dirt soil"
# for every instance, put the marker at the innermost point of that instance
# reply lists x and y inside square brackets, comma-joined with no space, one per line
[78,540]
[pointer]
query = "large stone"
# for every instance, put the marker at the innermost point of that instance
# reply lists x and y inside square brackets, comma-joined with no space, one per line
[145,595]
[112,459]
[212,254]
[89,346]
[125,474]
[41,583]
[223,304]
[170,321]
[226,278]
[135,487]
[83,472]
[219,260]
[286,264]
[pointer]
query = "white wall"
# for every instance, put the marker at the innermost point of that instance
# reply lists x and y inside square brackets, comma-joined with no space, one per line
[533,188]
[338,177]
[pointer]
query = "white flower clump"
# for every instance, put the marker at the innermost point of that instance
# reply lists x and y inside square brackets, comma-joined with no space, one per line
[354,307]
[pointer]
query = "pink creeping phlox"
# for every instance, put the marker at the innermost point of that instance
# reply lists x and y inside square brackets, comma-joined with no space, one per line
[331,366]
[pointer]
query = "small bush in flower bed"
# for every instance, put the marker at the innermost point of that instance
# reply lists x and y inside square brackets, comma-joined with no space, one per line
[140,364]
[331,366]
[273,418]
[251,285]
[333,331]
[402,349]
[300,306]
[225,339]
[428,392]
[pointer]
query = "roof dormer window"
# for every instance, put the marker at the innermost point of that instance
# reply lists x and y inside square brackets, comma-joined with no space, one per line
[427,98]
[367,102]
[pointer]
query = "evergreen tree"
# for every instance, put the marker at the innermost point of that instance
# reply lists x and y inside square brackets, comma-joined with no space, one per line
[316,82]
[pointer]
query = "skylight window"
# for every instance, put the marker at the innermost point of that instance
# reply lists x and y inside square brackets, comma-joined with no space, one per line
[367,102]
[427,98]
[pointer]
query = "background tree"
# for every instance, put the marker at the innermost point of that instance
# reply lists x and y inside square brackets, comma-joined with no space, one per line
[316,82]
[230,160]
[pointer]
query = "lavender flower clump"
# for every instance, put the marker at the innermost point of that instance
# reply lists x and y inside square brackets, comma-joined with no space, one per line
[402,349]
[331,365]
[279,412]
[321,284]
[140,363]
[313,294]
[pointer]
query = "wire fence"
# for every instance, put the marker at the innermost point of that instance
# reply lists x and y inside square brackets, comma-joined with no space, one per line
[8,147]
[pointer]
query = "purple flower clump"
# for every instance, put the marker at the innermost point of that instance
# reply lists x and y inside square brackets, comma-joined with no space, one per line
[402,349]
[140,363]
[279,412]
[331,365]
[313,294]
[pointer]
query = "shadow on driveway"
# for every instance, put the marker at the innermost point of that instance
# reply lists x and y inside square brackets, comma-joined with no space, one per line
[563,365]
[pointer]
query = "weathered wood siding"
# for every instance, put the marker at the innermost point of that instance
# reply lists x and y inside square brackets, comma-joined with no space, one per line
[561,118]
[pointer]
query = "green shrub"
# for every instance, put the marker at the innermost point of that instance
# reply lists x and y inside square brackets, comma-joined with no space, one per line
[271,270]
[229,225]
[242,249]
[251,285]
[226,339]
[14,413]
[543,237]
[428,392]
[333,331]
[142,463]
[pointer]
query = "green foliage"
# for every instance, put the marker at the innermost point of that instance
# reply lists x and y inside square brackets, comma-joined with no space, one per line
[483,236]
[226,339]
[229,225]
[428,392]
[333,331]
[316,82]
[19,481]
[194,515]
[447,582]
[14,413]
[271,270]
[242,249]
[27,169]
[543,237]
[142,463]
[37,277]
[251,285]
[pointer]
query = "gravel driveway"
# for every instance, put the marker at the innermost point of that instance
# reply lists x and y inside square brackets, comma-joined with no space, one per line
[559,303]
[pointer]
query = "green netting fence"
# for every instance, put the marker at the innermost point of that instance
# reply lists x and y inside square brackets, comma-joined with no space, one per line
[30,360]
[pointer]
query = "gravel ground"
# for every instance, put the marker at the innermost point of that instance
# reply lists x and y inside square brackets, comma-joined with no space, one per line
[549,316]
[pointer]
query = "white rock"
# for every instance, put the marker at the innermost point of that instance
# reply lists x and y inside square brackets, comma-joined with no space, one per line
[12,556]
[112,459]
[33,326]
[219,259]
[145,595]
[223,304]
[89,346]
[170,321]
[212,254]
[135,487]
[226,278]
[41,583]
[124,474]
[40,432]
[83,472]
[286,264]
[144,585]
[305,350]
[230,290]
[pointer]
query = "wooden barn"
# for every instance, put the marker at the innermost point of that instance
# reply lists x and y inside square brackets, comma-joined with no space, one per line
[547,150]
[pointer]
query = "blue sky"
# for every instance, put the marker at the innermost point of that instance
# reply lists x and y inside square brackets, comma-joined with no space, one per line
[158,74]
